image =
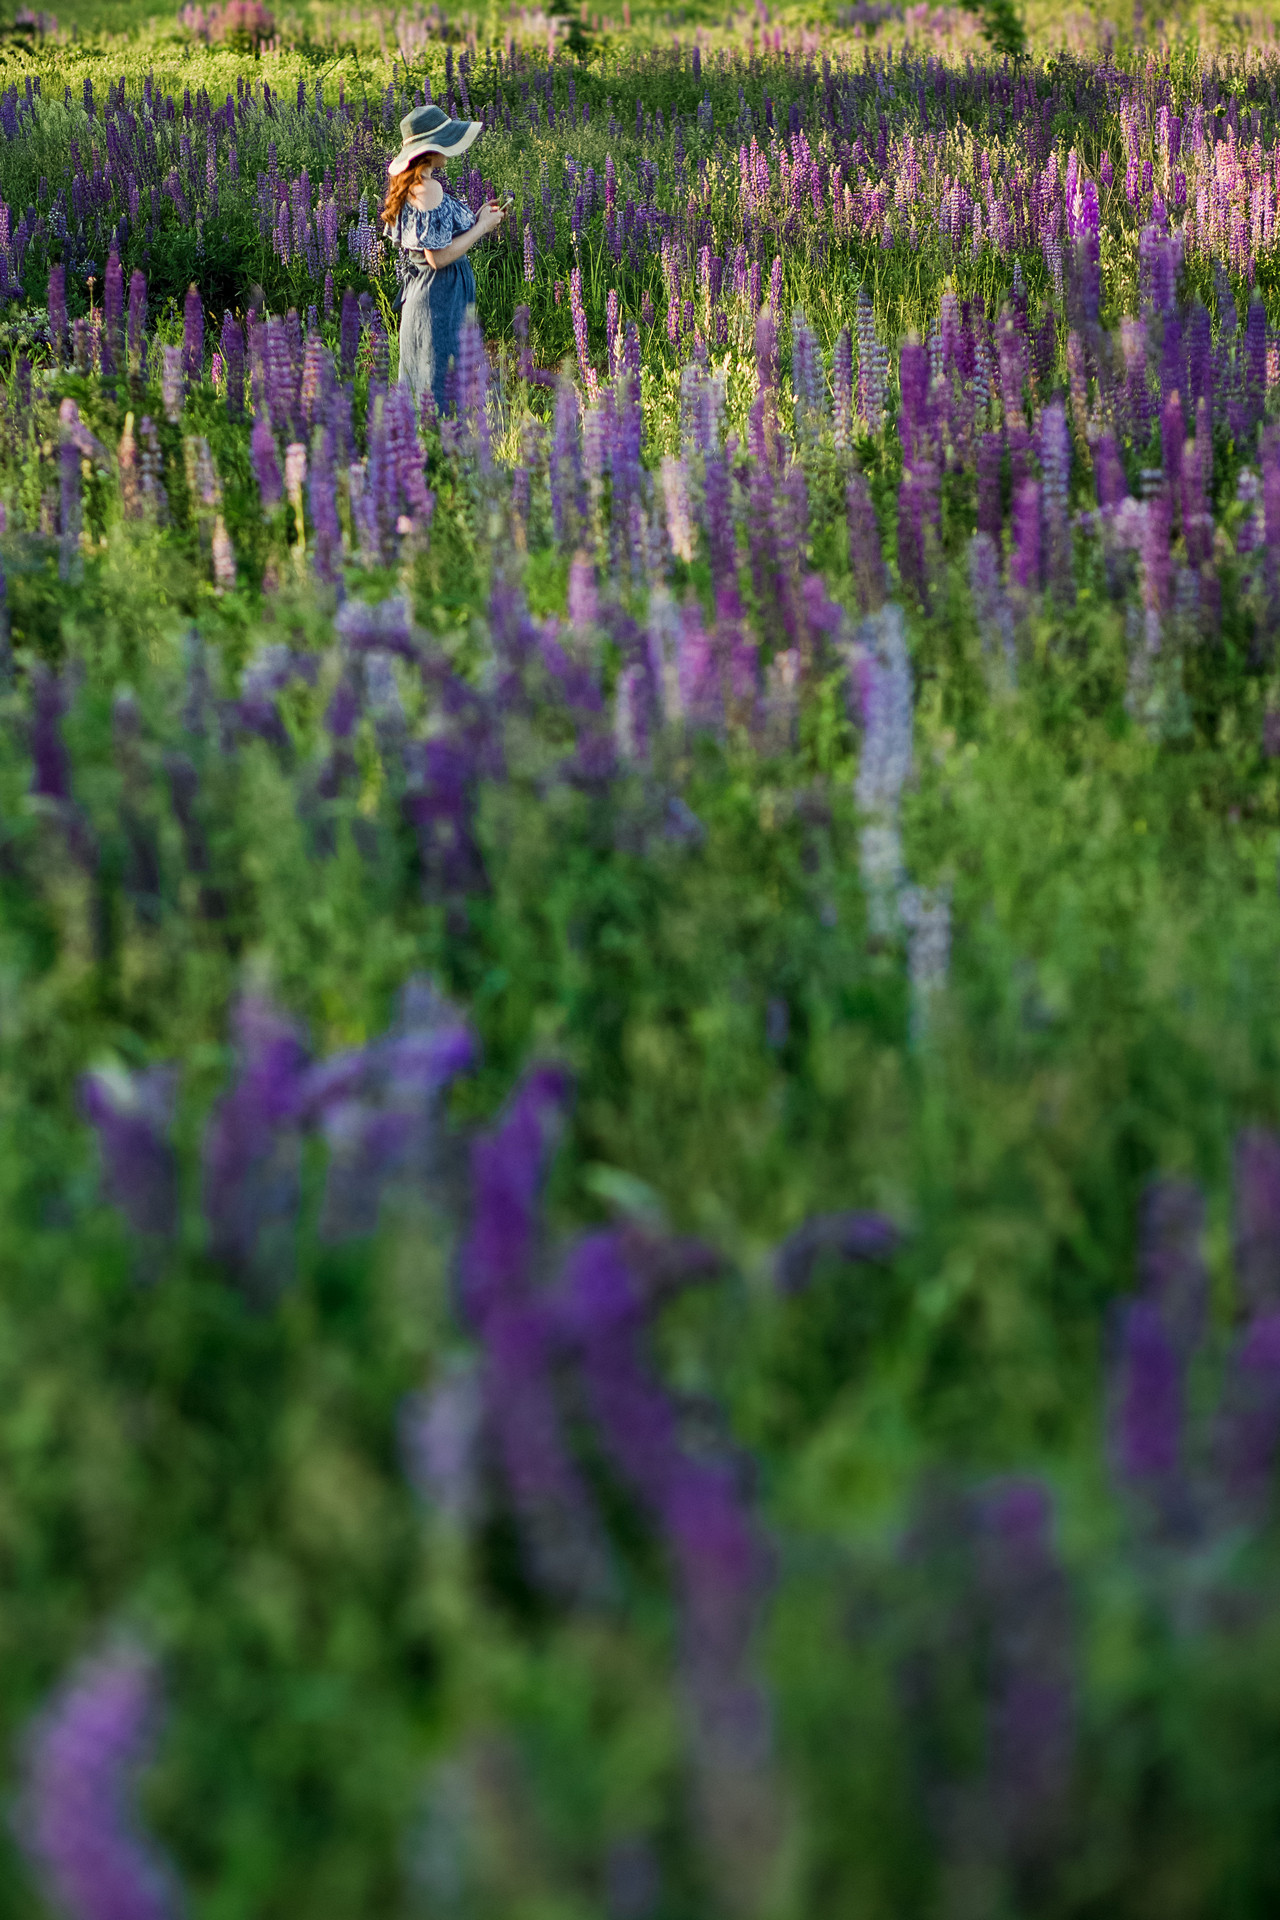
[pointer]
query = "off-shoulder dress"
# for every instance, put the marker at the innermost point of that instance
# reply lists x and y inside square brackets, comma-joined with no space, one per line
[435,300]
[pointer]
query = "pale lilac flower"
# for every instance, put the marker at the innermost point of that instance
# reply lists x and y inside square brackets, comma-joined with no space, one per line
[76,1819]
[132,1114]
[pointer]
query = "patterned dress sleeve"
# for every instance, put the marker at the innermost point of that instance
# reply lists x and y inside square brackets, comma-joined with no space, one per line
[436,228]
[407,231]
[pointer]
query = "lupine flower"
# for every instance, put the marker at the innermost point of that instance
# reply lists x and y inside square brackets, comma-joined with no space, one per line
[866,559]
[132,1115]
[440,1434]
[112,313]
[1030,1699]
[76,1818]
[266,467]
[508,1167]
[1149,1409]
[842,386]
[1257,1219]
[885,759]
[51,764]
[171,382]
[990,602]
[926,915]
[1171,1267]
[1025,563]
[580,332]
[990,452]
[349,332]
[232,349]
[58,309]
[379,1108]
[251,1152]
[1055,466]
[848,1237]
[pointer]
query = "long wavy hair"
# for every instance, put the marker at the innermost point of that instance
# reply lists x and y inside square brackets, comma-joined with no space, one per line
[400,185]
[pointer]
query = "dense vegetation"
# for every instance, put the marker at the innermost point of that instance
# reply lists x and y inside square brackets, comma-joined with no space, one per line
[639,1026]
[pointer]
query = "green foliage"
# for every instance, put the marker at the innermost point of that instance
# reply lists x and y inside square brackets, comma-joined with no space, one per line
[371,1710]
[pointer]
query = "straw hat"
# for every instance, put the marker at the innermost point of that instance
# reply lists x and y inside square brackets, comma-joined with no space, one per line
[430,130]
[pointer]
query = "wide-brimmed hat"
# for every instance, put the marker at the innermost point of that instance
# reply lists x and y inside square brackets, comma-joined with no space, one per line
[430,130]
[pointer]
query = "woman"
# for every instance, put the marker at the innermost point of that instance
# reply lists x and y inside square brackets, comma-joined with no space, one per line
[436,232]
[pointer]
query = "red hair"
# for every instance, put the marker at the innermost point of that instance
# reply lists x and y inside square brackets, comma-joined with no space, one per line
[401,185]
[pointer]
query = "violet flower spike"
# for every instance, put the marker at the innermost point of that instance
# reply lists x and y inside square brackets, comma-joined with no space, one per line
[76,1819]
[132,1115]
[1257,1219]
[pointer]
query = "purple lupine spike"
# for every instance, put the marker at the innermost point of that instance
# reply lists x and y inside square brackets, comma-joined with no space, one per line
[51,763]
[379,1108]
[322,507]
[1248,1423]
[508,1167]
[193,337]
[438,804]
[112,314]
[132,1115]
[720,1563]
[1157,559]
[565,470]
[137,331]
[232,349]
[990,457]
[440,1440]
[266,466]
[404,449]
[349,332]
[473,390]
[1147,1420]
[1200,358]
[1171,1268]
[171,388]
[1109,478]
[842,387]
[1197,521]
[251,1156]
[1173,435]
[1255,360]
[1030,1704]
[913,376]
[1024,562]
[866,557]
[991,603]
[58,309]
[912,562]
[76,1818]
[850,1237]
[579,317]
[767,350]
[1257,1219]
[1055,465]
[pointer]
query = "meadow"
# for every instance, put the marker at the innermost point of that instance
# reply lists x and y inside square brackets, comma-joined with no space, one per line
[640,1023]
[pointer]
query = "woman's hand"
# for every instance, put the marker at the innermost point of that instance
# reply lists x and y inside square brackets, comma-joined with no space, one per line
[491,215]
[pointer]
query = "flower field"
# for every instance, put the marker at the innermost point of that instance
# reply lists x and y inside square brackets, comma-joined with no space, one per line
[640,1022]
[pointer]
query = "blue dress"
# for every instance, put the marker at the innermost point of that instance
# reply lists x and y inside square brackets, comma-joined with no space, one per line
[435,301]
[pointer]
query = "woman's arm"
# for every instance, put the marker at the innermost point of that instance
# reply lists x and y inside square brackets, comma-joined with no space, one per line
[490,216]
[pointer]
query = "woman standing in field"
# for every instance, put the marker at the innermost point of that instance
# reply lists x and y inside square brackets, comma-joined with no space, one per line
[436,232]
